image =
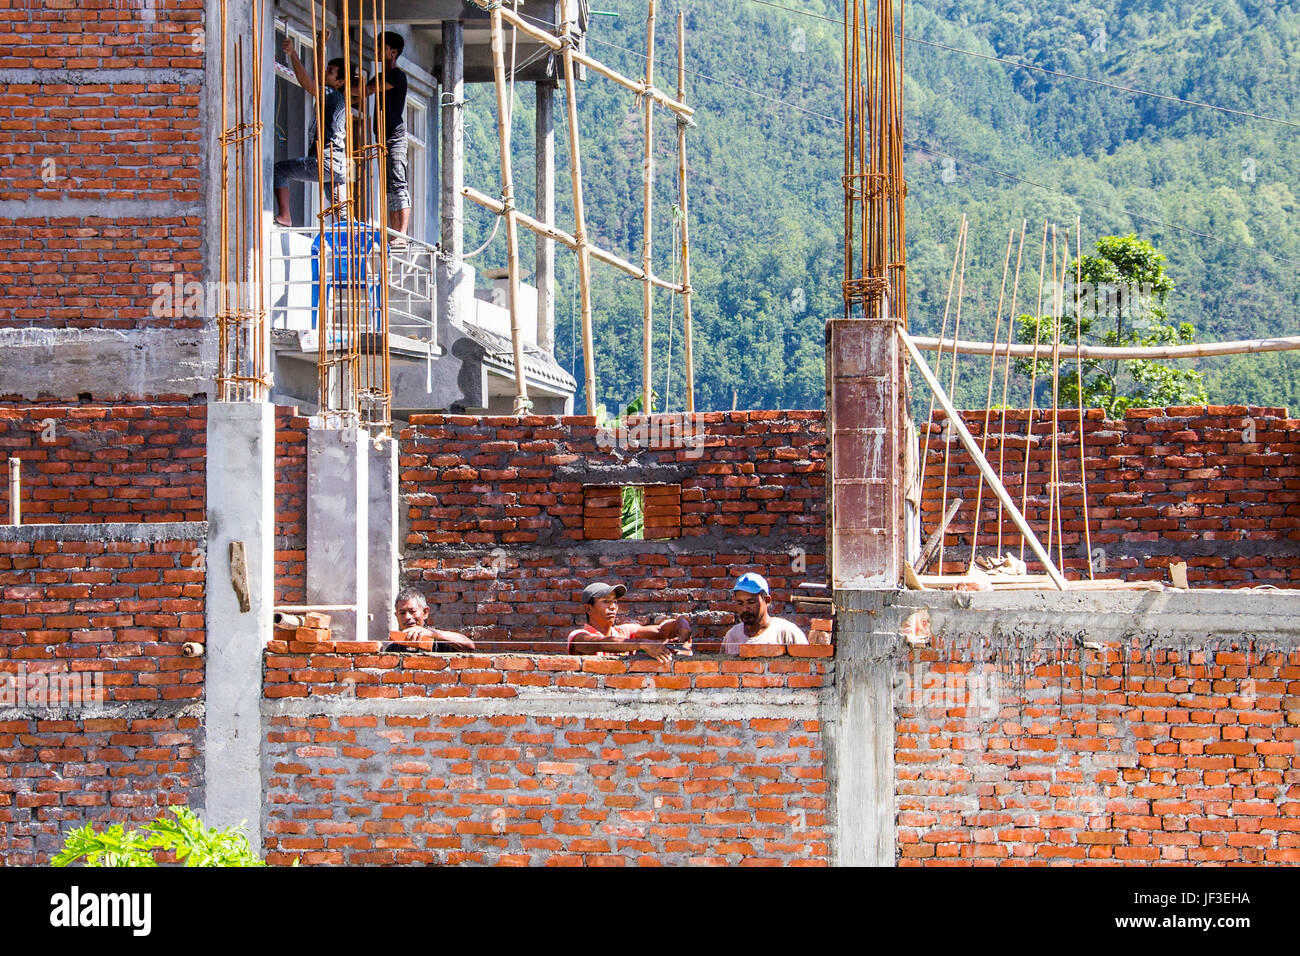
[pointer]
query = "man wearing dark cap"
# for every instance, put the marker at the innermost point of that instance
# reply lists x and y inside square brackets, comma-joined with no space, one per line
[756,625]
[602,634]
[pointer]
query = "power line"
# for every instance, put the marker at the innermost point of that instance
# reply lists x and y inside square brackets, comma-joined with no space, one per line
[1040,69]
[927,149]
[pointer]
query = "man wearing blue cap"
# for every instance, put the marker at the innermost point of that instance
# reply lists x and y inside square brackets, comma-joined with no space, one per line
[602,634]
[756,625]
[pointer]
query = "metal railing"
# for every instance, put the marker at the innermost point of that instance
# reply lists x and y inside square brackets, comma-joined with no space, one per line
[301,289]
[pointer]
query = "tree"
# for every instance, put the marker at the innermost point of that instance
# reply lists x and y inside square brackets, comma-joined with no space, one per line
[1124,292]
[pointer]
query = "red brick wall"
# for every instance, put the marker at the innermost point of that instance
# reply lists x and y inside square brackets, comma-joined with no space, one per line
[69,35]
[495,519]
[119,610]
[127,129]
[90,272]
[1164,485]
[290,506]
[1134,754]
[527,785]
[95,463]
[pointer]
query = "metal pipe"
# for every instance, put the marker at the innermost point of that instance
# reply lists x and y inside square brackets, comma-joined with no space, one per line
[15,492]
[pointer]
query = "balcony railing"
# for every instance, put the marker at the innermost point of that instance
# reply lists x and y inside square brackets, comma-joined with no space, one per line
[308,278]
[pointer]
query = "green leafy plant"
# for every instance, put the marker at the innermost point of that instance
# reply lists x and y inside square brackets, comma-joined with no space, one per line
[192,843]
[633,513]
[1124,283]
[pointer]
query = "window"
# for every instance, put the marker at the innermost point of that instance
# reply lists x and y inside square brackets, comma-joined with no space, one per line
[640,512]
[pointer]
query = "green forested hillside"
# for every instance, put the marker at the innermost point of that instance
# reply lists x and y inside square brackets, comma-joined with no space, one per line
[1215,191]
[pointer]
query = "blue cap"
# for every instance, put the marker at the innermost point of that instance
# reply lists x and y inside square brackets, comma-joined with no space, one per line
[752,583]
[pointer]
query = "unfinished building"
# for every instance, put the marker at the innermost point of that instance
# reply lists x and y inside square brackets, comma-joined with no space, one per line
[184,473]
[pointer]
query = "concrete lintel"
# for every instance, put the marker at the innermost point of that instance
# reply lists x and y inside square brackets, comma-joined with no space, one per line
[106,209]
[95,77]
[1181,617]
[108,363]
[544,702]
[109,531]
[241,508]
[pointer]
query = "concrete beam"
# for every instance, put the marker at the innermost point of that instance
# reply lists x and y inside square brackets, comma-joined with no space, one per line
[382,527]
[241,509]
[338,480]
[859,722]
[107,363]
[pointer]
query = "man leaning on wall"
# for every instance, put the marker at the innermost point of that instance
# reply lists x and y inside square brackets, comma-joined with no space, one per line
[602,634]
[756,625]
[412,610]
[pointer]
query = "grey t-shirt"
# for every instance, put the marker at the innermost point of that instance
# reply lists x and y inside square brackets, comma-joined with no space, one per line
[336,132]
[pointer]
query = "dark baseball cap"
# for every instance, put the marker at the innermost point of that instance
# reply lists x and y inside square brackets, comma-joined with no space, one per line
[599,590]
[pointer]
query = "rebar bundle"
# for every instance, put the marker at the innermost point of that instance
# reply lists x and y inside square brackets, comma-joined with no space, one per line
[875,255]
[353,347]
[243,333]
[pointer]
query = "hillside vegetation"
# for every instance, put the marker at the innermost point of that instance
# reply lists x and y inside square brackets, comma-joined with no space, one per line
[1215,191]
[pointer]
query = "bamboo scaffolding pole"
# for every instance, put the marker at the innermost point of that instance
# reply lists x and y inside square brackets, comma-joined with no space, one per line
[1054,489]
[556,44]
[952,384]
[1006,370]
[508,199]
[968,441]
[947,306]
[1078,333]
[988,401]
[1106,352]
[1033,382]
[572,242]
[685,217]
[647,199]
[579,240]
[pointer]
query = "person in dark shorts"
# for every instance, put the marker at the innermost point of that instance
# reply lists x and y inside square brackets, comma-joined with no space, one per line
[307,168]
[394,131]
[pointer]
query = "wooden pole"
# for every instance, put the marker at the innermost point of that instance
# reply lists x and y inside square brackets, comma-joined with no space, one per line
[684,206]
[985,469]
[559,235]
[1289,343]
[647,199]
[541,36]
[569,18]
[508,200]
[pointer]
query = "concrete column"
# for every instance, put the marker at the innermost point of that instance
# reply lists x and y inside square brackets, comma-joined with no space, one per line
[452,294]
[861,729]
[338,473]
[383,546]
[545,270]
[865,536]
[241,511]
